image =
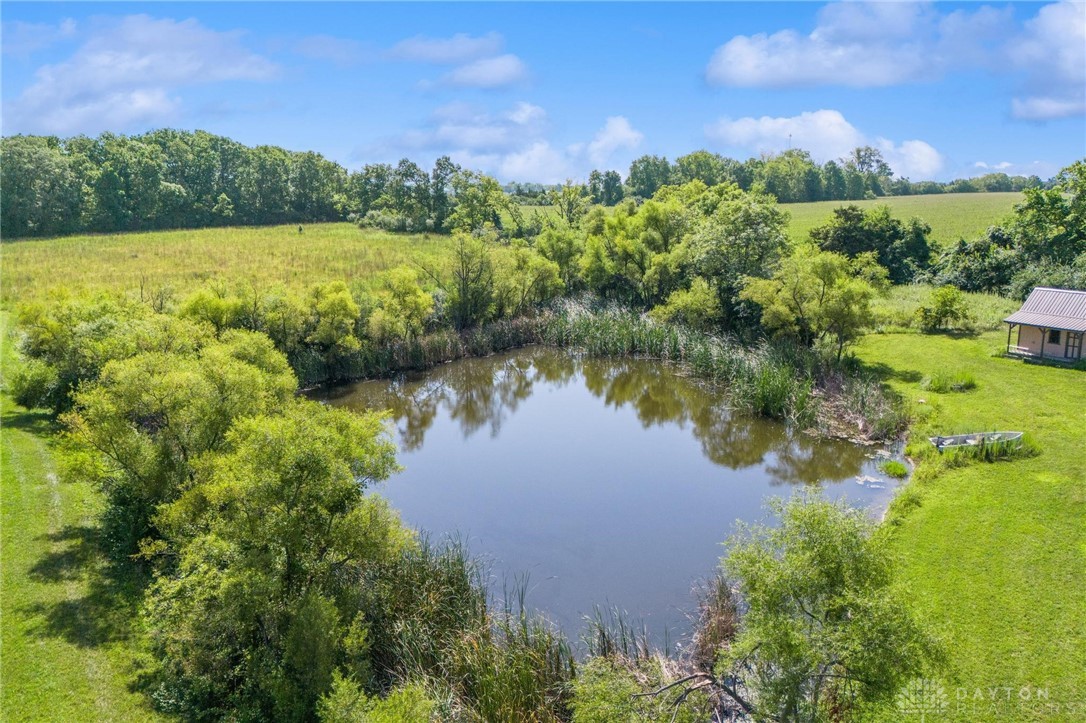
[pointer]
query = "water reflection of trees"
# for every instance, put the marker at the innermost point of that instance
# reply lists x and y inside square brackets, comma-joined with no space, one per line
[478,393]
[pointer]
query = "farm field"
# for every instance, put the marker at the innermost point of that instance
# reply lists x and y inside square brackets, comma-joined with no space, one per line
[951,216]
[279,255]
[186,259]
[69,653]
[994,554]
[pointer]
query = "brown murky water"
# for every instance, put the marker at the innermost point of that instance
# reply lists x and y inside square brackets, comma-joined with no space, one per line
[606,481]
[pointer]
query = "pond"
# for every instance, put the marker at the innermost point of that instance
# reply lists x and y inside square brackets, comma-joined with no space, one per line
[605,481]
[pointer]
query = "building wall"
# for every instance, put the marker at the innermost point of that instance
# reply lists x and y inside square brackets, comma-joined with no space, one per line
[1031,338]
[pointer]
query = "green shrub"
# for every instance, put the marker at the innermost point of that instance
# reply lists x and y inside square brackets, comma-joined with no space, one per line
[947,308]
[895,469]
[944,382]
[35,384]
[346,702]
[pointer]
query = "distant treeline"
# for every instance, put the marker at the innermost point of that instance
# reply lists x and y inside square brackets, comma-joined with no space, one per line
[181,179]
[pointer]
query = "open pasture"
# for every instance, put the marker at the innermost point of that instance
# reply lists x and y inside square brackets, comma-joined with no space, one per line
[952,216]
[186,259]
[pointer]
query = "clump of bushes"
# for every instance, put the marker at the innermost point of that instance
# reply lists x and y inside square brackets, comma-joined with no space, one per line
[946,309]
[894,468]
[943,382]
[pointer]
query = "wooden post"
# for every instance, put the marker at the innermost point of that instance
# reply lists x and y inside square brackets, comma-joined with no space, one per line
[1044,338]
[1009,327]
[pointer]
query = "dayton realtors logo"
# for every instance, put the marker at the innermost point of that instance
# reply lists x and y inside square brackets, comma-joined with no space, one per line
[923,697]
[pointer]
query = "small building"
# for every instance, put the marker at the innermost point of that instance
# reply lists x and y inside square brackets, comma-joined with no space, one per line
[1051,324]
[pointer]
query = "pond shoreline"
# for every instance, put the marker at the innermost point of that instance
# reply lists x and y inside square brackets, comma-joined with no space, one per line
[777,381]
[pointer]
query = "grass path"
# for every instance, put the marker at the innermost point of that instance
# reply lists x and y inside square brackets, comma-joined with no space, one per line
[66,651]
[995,554]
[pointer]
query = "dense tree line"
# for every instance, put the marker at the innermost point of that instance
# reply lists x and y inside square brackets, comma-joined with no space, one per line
[181,179]
[793,176]
[1042,244]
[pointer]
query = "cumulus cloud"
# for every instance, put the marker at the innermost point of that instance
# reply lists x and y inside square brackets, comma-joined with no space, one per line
[463,128]
[539,163]
[911,159]
[865,45]
[459,48]
[860,45]
[827,135]
[1052,53]
[128,74]
[497,72]
[22,39]
[617,133]
[512,144]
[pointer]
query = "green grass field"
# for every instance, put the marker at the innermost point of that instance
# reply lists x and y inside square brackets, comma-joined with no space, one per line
[186,259]
[995,553]
[951,216]
[69,652]
[274,255]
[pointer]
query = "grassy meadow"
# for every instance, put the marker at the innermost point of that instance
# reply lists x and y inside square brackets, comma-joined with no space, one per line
[186,259]
[994,554]
[278,255]
[69,653]
[952,216]
[896,311]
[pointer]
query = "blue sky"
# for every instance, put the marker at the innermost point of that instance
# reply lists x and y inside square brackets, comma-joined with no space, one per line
[542,92]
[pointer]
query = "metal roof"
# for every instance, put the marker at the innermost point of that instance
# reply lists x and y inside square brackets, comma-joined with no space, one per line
[1052,309]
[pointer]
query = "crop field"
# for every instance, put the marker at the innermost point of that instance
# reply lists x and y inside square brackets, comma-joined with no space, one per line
[951,216]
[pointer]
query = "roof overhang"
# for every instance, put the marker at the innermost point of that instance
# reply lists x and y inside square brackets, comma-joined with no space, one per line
[1047,321]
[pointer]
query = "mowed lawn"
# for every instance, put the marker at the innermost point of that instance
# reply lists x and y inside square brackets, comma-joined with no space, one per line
[995,553]
[68,632]
[186,259]
[952,216]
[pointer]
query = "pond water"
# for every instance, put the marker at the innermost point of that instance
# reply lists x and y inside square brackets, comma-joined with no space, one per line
[605,481]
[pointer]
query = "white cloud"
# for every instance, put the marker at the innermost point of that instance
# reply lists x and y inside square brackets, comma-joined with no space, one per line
[617,133]
[538,163]
[1042,169]
[912,159]
[512,144]
[824,133]
[460,48]
[827,135]
[464,128]
[859,45]
[496,72]
[127,75]
[22,39]
[1052,53]
[341,51]
[864,45]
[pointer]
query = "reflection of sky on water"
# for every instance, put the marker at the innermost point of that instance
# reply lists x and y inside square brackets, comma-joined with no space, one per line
[607,481]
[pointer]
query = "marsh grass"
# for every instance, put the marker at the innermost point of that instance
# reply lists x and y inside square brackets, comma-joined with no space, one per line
[609,633]
[894,468]
[944,382]
[432,622]
[778,381]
